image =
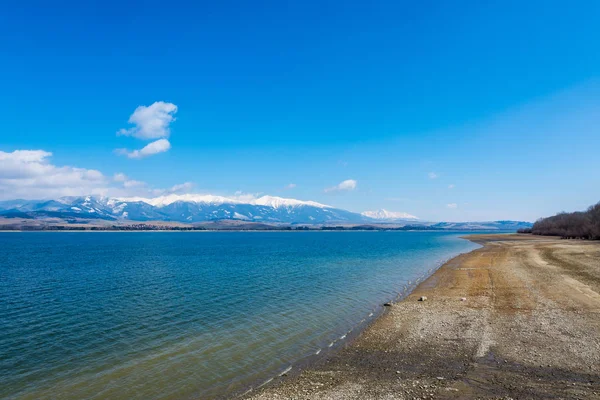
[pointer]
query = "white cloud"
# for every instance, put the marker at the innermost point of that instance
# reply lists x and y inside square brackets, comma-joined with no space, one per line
[451,186]
[182,187]
[29,174]
[433,175]
[120,177]
[159,146]
[452,205]
[127,183]
[151,122]
[290,186]
[245,197]
[345,186]
[133,183]
[26,156]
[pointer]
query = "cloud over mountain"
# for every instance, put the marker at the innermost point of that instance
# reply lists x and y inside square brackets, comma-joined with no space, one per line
[345,186]
[29,173]
[159,146]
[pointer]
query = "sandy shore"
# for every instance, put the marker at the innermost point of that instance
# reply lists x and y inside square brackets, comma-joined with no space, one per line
[529,328]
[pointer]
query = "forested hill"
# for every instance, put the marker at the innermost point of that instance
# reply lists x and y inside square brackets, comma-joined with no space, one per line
[576,225]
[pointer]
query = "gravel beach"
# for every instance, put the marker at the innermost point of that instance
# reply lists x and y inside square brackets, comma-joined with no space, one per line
[518,318]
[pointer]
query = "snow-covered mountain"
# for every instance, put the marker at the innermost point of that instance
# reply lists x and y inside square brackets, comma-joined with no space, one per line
[385,215]
[271,201]
[182,208]
[191,208]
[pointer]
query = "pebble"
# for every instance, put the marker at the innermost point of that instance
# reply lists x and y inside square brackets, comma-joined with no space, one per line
[423,298]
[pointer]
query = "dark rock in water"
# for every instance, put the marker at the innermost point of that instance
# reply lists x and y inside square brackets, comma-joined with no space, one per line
[387,304]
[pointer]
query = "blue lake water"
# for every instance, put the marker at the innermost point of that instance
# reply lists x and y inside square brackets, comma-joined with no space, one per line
[170,315]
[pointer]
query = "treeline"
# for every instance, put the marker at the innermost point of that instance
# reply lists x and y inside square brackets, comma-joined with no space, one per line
[576,225]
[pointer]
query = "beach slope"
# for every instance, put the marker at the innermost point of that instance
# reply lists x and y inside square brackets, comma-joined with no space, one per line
[517,318]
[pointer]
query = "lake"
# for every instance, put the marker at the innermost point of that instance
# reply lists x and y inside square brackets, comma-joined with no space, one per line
[170,315]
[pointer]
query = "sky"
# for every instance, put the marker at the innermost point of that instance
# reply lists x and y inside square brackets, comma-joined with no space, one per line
[454,111]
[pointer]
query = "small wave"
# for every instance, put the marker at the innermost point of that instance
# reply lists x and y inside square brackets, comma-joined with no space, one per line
[265,382]
[342,337]
[318,351]
[331,344]
[370,314]
[288,369]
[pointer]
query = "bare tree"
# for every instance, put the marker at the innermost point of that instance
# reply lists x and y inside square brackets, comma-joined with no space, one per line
[576,225]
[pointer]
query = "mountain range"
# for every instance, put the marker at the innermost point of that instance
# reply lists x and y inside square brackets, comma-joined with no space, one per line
[180,208]
[191,208]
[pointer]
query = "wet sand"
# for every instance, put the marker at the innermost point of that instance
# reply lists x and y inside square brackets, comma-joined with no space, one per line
[518,318]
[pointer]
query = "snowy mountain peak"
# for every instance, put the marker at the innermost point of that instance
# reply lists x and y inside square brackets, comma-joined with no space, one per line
[163,201]
[277,202]
[388,215]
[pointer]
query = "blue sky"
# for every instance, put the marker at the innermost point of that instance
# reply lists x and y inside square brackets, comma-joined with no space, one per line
[446,110]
